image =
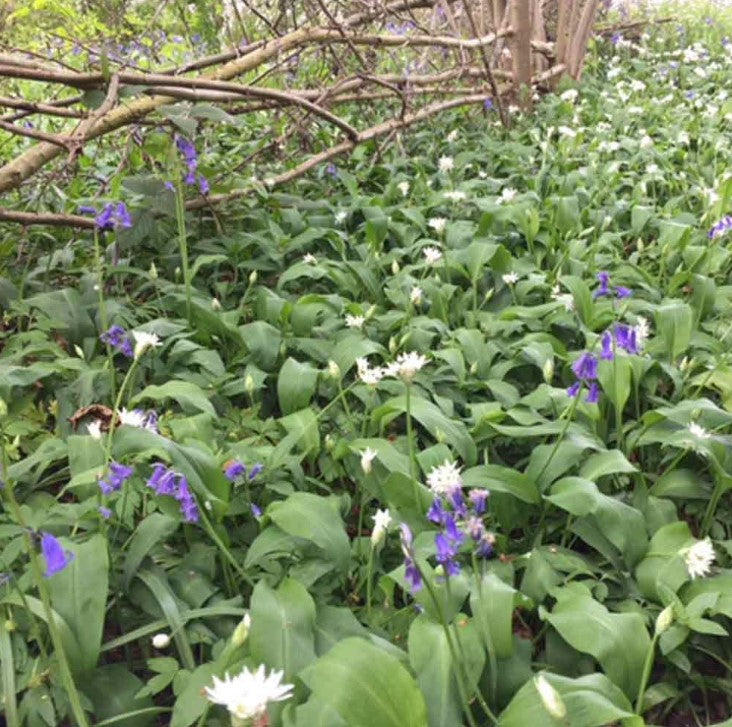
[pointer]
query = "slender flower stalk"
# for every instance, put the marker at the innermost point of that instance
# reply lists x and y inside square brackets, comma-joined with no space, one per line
[180,214]
[67,679]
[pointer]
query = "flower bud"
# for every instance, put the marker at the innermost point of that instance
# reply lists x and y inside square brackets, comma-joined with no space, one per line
[215,304]
[78,351]
[161,641]
[249,384]
[253,277]
[9,625]
[550,698]
[241,631]
[3,408]
[153,272]
[664,620]
[329,443]
[474,368]
[394,267]
[548,370]
[392,345]
[370,312]
[334,370]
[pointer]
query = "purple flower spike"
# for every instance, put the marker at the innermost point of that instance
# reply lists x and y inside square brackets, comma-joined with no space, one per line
[203,187]
[436,513]
[626,338]
[622,292]
[478,498]
[585,367]
[451,530]
[105,512]
[574,389]
[606,342]
[593,393]
[234,470]
[255,470]
[412,576]
[54,554]
[604,279]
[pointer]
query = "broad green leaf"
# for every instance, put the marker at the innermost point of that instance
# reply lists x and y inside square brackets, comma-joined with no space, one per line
[674,323]
[491,601]
[316,519]
[621,524]
[113,692]
[451,431]
[187,394]
[190,701]
[429,656]
[296,384]
[619,641]
[79,595]
[662,572]
[154,529]
[605,463]
[591,701]
[282,635]
[366,686]
[502,479]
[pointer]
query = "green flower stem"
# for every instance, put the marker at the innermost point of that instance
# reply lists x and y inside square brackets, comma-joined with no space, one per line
[103,319]
[570,413]
[463,661]
[721,484]
[180,213]
[490,648]
[369,576]
[108,445]
[645,674]
[65,672]
[412,452]
[451,647]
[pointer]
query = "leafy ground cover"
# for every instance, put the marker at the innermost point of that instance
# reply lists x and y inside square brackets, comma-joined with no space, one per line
[441,436]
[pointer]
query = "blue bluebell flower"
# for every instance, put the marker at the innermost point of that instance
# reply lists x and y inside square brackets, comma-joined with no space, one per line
[116,476]
[478,498]
[166,481]
[256,510]
[234,470]
[255,470]
[720,227]
[606,344]
[622,292]
[113,216]
[446,552]
[105,512]
[593,393]
[627,338]
[604,279]
[436,512]
[54,554]
[118,338]
[411,572]
[585,367]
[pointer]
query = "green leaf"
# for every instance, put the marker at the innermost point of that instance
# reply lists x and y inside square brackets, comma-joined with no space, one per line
[190,701]
[187,394]
[619,641]
[662,572]
[295,385]
[283,627]
[605,463]
[591,701]
[79,595]
[316,519]
[155,528]
[615,378]
[491,601]
[429,655]
[451,431]
[366,686]
[621,524]
[503,479]
[674,324]
[113,691]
